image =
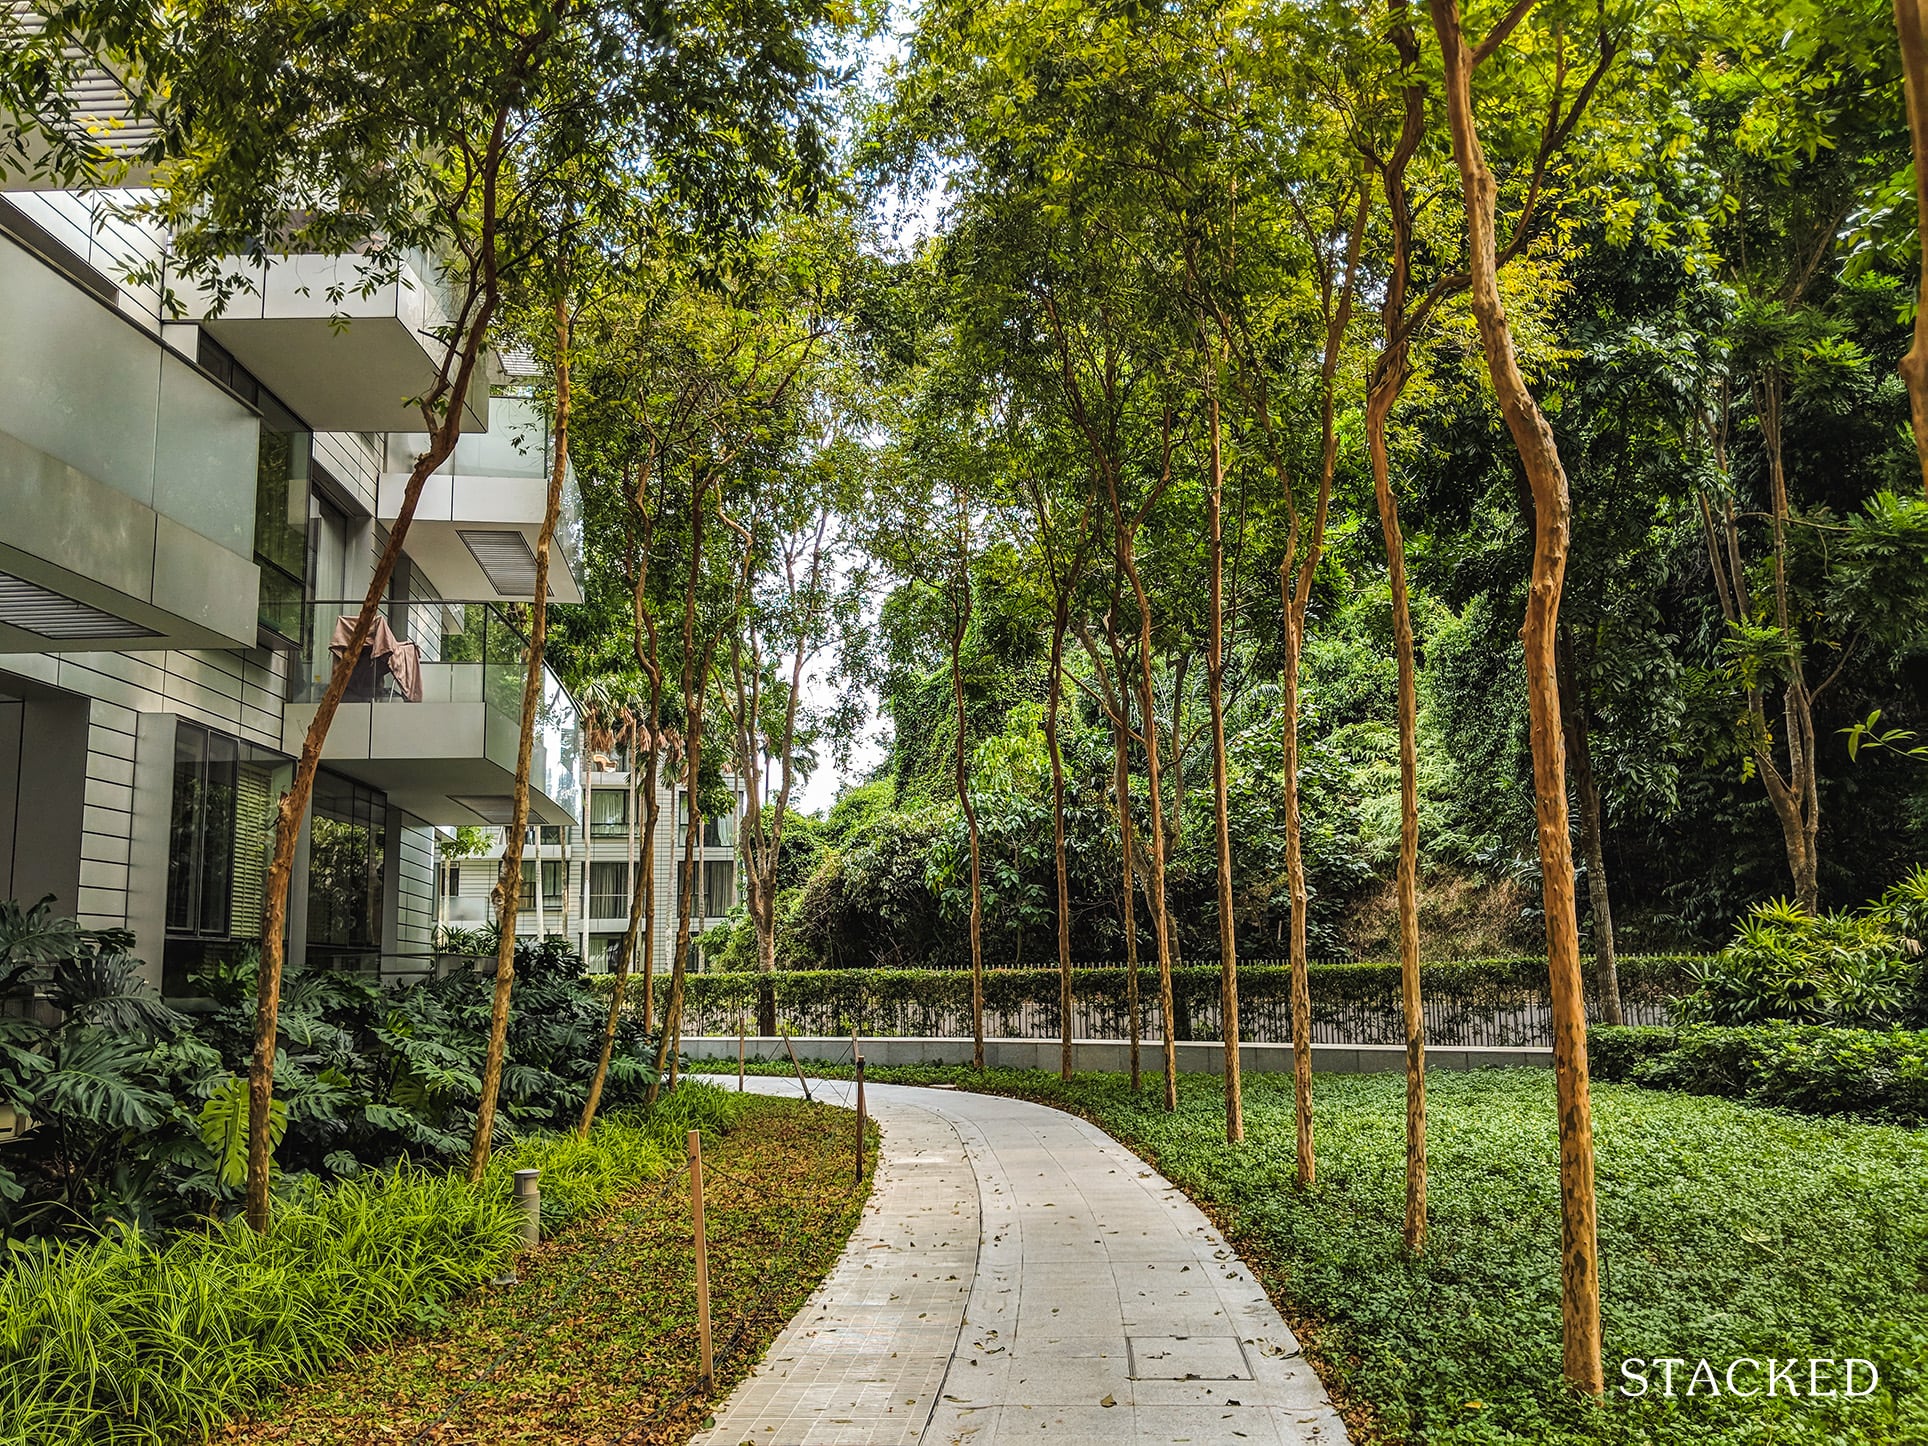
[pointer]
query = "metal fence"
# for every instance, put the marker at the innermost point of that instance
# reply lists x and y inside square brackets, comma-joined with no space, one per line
[1359,1009]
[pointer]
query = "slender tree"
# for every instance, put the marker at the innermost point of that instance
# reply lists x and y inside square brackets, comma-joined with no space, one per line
[1540,456]
[532,704]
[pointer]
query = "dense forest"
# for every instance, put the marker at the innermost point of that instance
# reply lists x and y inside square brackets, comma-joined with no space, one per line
[1115,416]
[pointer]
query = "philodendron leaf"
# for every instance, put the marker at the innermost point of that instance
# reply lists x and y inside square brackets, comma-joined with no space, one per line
[224,1128]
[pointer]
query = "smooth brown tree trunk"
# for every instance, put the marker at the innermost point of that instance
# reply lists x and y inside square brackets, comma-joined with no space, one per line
[1378,406]
[291,812]
[1911,24]
[1388,381]
[1128,909]
[642,918]
[525,750]
[1221,800]
[1295,579]
[695,675]
[1540,457]
[970,828]
[1053,704]
[1148,719]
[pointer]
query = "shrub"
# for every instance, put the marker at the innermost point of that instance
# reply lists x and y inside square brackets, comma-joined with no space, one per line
[1857,969]
[1879,1075]
[120,1340]
[1359,1001]
[140,1113]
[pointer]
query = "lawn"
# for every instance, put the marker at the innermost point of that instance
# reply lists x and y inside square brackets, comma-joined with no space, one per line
[598,1343]
[1726,1230]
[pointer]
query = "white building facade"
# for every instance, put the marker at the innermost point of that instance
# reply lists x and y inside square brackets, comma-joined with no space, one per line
[588,871]
[188,509]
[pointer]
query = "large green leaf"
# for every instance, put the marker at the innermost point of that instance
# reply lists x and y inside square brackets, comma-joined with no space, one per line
[224,1128]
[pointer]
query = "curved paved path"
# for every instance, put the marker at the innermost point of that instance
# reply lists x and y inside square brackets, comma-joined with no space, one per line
[1019,1275]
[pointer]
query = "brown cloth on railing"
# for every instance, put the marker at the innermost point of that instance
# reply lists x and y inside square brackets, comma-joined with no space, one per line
[403,659]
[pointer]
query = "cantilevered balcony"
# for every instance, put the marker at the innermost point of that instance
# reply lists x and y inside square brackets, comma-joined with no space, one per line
[346,351]
[433,711]
[480,514]
[127,479]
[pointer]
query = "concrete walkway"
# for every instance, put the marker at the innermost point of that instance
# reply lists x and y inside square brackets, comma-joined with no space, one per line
[1019,1275]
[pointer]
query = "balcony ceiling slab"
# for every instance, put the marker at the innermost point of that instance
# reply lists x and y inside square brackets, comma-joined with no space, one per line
[427,758]
[357,377]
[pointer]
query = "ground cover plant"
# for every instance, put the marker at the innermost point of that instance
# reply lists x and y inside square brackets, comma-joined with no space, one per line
[120,1340]
[598,1343]
[1725,1230]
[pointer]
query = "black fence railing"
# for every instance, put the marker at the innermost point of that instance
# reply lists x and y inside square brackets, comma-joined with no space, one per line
[1476,1002]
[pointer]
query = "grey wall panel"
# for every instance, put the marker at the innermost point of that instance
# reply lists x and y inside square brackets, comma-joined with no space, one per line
[148,839]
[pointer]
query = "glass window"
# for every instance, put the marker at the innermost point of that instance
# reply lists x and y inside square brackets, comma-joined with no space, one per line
[346,846]
[719,887]
[608,812]
[200,865]
[608,890]
[720,832]
[452,880]
[551,885]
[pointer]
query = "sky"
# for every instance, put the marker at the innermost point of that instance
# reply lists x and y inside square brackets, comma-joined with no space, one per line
[905,224]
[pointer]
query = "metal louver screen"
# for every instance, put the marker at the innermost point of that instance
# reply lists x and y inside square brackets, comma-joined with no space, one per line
[506,559]
[48,614]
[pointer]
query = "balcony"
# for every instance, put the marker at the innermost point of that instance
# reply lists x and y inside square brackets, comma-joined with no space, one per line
[434,722]
[480,513]
[346,354]
[128,479]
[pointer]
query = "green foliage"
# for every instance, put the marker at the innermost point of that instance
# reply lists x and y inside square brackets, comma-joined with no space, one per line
[140,1116]
[119,1340]
[1879,1075]
[1860,969]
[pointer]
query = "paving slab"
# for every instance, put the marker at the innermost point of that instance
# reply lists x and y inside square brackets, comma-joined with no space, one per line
[1019,1275]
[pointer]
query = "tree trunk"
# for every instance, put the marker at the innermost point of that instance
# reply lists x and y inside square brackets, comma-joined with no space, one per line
[1379,404]
[636,925]
[1911,23]
[1054,700]
[1221,800]
[1128,910]
[525,748]
[1580,1270]
[1296,584]
[1573,717]
[293,807]
[693,681]
[962,621]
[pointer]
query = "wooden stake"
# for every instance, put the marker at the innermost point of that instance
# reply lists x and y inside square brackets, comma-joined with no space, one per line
[707,1375]
[860,1122]
[739,1051]
[795,1066]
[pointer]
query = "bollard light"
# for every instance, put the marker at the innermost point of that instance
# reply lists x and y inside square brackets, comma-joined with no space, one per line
[528,1194]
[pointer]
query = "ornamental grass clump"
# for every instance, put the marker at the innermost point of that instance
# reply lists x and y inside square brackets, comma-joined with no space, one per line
[121,1340]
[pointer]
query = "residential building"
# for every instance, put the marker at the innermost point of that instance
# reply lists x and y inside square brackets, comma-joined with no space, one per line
[587,872]
[189,508]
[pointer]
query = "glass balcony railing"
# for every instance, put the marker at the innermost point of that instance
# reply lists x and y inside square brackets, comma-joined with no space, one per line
[449,652]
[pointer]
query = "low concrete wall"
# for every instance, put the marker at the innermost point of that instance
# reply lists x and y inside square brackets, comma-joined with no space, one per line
[1194,1056]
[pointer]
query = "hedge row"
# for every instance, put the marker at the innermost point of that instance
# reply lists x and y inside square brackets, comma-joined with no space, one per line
[1482,1001]
[1878,1075]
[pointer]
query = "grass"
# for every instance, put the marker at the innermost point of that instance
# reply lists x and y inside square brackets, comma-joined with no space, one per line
[122,1341]
[599,1342]
[1725,1230]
